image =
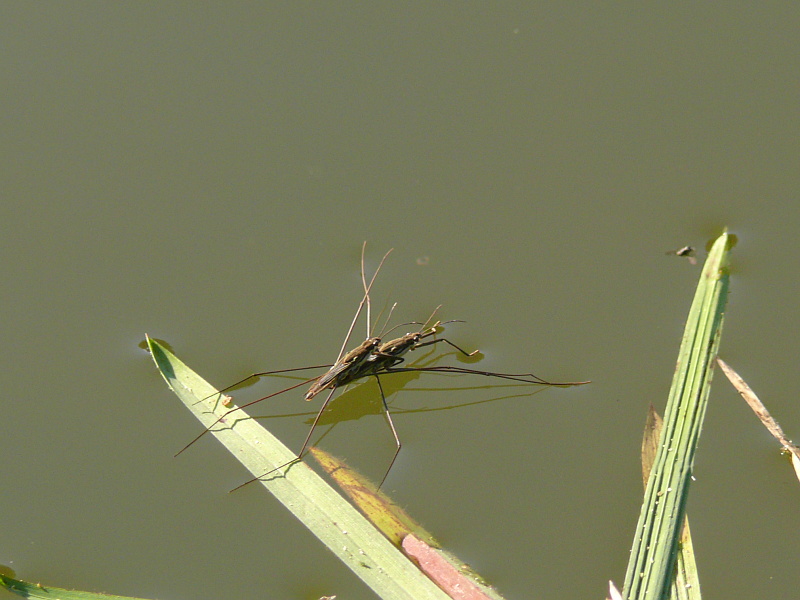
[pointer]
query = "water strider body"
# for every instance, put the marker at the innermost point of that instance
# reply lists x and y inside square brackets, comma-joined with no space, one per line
[343,371]
[389,354]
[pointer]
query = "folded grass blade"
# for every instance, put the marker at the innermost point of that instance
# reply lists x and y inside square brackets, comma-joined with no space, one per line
[452,574]
[331,518]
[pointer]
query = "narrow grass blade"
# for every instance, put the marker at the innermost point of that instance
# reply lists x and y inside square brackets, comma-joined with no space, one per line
[686,583]
[331,518]
[762,413]
[37,590]
[653,555]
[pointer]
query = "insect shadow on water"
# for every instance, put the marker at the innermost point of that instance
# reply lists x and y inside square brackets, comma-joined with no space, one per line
[370,358]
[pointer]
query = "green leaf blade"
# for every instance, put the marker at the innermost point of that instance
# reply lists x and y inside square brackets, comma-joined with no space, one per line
[327,515]
[653,556]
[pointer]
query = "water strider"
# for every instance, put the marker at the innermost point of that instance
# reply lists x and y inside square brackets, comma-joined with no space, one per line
[372,358]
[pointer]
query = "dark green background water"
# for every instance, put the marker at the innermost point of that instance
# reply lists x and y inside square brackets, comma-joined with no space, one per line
[207,174]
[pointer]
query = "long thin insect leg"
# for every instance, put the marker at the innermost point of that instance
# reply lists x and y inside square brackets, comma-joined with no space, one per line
[316,421]
[261,374]
[512,376]
[464,352]
[394,431]
[207,429]
[364,300]
[366,289]
[347,364]
[302,450]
